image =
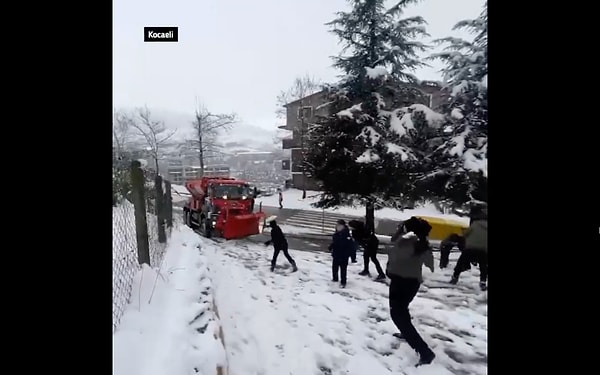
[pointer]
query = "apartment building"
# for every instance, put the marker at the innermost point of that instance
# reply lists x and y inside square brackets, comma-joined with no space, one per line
[302,112]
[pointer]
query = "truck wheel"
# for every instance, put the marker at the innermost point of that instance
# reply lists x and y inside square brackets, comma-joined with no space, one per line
[186,218]
[206,228]
[192,225]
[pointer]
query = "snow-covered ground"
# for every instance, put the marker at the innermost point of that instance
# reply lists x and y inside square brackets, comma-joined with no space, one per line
[292,229]
[288,323]
[303,323]
[169,326]
[292,199]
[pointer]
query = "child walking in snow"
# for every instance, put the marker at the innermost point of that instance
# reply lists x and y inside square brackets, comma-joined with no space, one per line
[279,244]
[280,199]
[404,268]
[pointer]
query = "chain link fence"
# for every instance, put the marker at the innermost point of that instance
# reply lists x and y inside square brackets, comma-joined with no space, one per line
[142,221]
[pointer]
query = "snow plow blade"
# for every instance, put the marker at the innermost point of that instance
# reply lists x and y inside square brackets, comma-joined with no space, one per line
[442,228]
[240,226]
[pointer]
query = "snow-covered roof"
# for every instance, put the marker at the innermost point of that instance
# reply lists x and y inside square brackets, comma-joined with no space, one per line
[304,98]
[254,153]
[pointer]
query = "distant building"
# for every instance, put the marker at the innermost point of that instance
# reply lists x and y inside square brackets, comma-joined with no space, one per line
[179,173]
[217,171]
[304,111]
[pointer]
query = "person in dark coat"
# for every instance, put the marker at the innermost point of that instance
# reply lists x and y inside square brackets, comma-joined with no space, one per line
[359,233]
[455,240]
[475,248]
[447,245]
[341,249]
[279,244]
[370,244]
[404,268]
[253,198]
[354,251]
[280,199]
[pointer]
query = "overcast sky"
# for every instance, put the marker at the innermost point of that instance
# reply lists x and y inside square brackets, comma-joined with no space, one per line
[237,55]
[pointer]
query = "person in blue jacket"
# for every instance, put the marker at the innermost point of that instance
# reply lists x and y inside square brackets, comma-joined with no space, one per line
[341,248]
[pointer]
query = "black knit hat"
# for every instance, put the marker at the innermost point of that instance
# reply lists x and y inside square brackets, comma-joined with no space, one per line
[341,222]
[418,226]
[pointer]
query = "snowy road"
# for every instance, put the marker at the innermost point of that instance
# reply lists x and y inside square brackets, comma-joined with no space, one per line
[302,323]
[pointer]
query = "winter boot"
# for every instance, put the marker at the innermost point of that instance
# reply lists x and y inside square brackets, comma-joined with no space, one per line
[454,280]
[294,267]
[272,267]
[483,286]
[364,273]
[426,358]
[380,277]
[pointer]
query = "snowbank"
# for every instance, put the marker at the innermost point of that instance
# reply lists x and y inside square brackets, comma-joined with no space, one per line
[179,193]
[179,189]
[292,199]
[281,322]
[169,326]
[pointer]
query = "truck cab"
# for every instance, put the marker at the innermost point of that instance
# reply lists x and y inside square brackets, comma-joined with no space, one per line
[221,205]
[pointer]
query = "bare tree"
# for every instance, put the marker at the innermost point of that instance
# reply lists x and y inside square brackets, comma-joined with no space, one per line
[207,127]
[155,134]
[122,124]
[301,89]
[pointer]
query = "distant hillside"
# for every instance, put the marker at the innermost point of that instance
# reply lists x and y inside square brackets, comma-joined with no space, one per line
[241,138]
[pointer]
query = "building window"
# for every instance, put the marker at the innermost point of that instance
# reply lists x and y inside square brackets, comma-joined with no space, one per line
[305,112]
[297,159]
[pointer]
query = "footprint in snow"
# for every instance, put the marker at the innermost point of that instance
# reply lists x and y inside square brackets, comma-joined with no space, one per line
[326,339]
[437,336]
[460,333]
[292,322]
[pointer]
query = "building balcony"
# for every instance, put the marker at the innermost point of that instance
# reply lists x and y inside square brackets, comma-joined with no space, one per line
[288,143]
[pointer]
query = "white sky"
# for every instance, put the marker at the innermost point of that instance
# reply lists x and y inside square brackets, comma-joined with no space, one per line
[237,55]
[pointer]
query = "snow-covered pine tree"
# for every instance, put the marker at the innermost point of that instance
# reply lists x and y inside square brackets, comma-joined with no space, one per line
[356,151]
[460,175]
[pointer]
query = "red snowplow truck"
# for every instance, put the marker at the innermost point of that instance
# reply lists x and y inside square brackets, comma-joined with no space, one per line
[221,206]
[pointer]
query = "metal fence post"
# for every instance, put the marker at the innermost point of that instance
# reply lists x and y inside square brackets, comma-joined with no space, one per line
[139,202]
[160,209]
[169,204]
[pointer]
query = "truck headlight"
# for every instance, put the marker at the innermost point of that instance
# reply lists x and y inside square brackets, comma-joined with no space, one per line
[244,197]
[214,223]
